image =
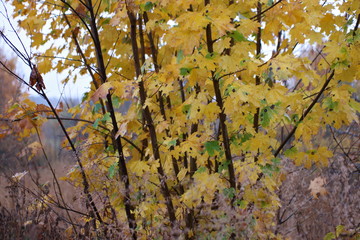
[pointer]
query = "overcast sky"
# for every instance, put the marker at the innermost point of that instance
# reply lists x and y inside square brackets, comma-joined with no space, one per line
[52,80]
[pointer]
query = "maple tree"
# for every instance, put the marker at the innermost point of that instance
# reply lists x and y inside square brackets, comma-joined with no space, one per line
[210,114]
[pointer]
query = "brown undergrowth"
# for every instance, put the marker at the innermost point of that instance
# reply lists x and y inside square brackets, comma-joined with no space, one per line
[28,212]
[305,217]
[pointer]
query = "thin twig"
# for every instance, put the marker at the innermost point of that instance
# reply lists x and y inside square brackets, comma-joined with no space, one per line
[307,111]
[259,14]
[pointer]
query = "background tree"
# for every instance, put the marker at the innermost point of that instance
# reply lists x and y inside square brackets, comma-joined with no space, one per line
[10,92]
[212,115]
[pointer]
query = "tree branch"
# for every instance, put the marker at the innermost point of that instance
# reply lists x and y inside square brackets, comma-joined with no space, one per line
[307,111]
[129,208]
[222,115]
[149,121]
[259,14]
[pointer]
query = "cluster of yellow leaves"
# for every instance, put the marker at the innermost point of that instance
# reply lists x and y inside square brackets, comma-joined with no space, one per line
[262,94]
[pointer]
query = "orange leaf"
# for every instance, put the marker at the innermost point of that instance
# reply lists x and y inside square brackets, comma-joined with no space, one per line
[42,108]
[102,91]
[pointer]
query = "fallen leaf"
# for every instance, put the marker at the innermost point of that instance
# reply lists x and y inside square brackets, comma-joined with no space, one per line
[317,187]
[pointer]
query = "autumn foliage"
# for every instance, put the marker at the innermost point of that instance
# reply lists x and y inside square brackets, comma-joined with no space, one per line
[194,107]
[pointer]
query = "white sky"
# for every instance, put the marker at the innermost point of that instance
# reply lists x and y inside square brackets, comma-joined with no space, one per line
[52,80]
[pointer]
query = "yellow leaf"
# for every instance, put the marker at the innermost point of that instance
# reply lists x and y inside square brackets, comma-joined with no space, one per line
[211,111]
[139,167]
[248,27]
[198,21]
[220,17]
[182,174]
[276,94]
[339,230]
[322,155]
[163,125]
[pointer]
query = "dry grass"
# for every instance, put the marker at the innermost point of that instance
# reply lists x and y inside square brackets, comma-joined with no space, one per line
[310,218]
[304,217]
[25,212]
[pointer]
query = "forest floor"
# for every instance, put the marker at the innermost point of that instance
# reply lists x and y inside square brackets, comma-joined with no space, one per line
[301,215]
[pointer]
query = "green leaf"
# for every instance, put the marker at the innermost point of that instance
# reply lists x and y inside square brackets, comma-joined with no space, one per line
[223,166]
[290,151]
[148,6]
[85,97]
[172,143]
[295,118]
[96,108]
[106,21]
[270,3]
[211,147]
[230,89]
[229,192]
[96,123]
[329,236]
[110,148]
[330,104]
[276,161]
[238,37]
[267,169]
[116,101]
[210,55]
[264,204]
[106,117]
[112,170]
[179,56]
[265,117]
[185,71]
[201,169]
[186,109]
[270,169]
[241,203]
[245,137]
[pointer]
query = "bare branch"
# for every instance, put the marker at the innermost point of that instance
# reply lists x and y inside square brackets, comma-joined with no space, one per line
[307,111]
